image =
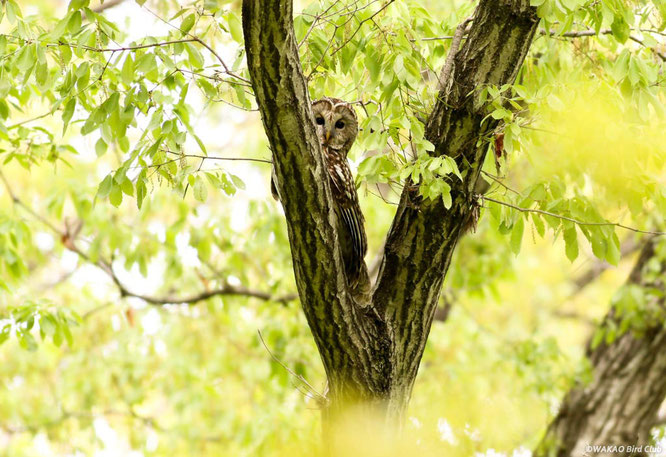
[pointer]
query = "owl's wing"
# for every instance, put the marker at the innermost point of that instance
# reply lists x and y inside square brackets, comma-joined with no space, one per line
[344,193]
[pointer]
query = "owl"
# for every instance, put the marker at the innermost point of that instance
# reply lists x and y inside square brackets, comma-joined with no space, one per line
[337,127]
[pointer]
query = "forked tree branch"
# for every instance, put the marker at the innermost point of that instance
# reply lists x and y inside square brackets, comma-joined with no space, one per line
[424,233]
[374,349]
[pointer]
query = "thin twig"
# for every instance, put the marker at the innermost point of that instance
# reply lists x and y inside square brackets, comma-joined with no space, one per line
[592,32]
[386,5]
[201,42]
[68,242]
[570,219]
[227,290]
[27,208]
[106,5]
[241,159]
[501,183]
[50,44]
[321,399]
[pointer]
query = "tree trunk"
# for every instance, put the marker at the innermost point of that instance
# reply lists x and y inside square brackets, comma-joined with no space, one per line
[619,407]
[371,350]
[424,233]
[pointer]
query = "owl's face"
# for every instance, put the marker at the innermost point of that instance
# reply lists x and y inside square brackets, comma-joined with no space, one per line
[336,123]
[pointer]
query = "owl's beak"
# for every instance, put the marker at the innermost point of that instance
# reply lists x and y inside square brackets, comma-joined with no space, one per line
[328,135]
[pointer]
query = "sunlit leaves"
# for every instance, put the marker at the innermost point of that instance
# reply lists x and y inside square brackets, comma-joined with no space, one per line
[235,27]
[12,10]
[517,235]
[571,242]
[187,24]
[200,190]
[545,206]
[637,306]
[53,323]
[108,90]
[620,29]
[547,356]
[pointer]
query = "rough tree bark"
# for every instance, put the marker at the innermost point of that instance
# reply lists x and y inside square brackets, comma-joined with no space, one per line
[619,407]
[371,350]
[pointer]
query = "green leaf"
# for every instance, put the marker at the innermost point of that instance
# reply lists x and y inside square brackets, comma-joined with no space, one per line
[47,326]
[620,29]
[226,185]
[116,196]
[373,64]
[235,28]
[127,72]
[598,244]
[27,59]
[60,28]
[4,333]
[613,254]
[237,181]
[74,23]
[348,53]
[187,24]
[100,147]
[200,190]
[127,187]
[105,187]
[41,73]
[27,341]
[517,235]
[538,224]
[445,189]
[195,57]
[571,242]
[140,192]
[67,114]
[13,11]
[78,4]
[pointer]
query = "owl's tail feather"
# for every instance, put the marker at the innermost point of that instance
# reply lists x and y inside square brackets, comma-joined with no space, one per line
[354,263]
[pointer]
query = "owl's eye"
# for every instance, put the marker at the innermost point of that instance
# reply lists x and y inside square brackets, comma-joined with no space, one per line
[339,125]
[319,120]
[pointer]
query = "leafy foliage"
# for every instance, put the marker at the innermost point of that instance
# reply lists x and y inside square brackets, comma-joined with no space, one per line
[133,167]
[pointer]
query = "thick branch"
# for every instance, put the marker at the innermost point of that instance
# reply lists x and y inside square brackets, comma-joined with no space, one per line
[348,341]
[424,233]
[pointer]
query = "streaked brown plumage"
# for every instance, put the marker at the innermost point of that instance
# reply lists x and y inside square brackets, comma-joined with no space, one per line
[337,127]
